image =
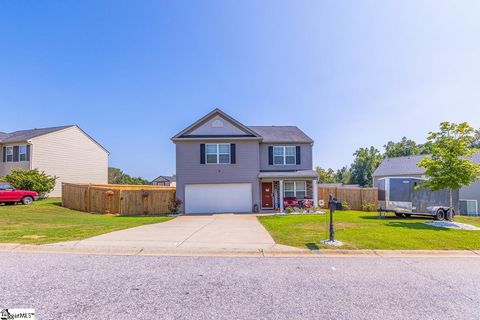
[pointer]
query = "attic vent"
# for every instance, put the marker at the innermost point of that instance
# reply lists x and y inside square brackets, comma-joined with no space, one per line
[217,124]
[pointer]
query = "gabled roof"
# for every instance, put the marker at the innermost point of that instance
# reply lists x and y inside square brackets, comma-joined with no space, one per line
[405,166]
[268,134]
[23,135]
[165,178]
[213,113]
[281,134]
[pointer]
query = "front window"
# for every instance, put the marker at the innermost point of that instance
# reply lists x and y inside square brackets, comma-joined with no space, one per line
[9,151]
[218,153]
[22,152]
[284,155]
[295,189]
[5,186]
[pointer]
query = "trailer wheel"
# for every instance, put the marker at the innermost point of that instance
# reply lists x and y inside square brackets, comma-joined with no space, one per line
[398,214]
[407,215]
[440,215]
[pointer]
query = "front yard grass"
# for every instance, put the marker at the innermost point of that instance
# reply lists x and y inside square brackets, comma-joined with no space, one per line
[46,221]
[362,230]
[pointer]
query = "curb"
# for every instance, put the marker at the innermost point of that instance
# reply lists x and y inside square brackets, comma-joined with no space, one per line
[274,252]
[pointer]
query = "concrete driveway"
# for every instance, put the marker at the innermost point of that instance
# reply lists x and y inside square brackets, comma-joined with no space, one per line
[218,232]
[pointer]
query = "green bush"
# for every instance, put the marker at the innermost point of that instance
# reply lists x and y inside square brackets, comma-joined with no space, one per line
[346,206]
[289,209]
[32,180]
[367,206]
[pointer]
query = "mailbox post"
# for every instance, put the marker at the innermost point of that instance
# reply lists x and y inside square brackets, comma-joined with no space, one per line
[332,205]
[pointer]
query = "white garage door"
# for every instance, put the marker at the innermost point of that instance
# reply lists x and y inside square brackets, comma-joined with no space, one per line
[218,198]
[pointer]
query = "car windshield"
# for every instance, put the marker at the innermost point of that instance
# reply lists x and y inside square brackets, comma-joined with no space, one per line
[5,186]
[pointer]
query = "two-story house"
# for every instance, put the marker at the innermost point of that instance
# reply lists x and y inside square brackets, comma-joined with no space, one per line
[66,152]
[225,166]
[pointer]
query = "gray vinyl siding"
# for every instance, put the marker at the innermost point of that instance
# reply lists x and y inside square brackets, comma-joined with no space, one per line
[305,157]
[190,171]
[375,179]
[6,167]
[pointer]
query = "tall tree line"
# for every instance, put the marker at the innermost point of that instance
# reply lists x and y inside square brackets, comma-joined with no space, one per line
[367,160]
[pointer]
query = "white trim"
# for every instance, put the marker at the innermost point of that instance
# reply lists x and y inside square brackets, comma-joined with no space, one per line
[20,153]
[295,188]
[218,153]
[6,153]
[315,192]
[281,196]
[284,155]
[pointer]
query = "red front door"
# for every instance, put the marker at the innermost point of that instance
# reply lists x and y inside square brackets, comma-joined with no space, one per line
[267,192]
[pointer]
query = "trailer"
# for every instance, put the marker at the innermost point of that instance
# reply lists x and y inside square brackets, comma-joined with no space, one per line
[401,196]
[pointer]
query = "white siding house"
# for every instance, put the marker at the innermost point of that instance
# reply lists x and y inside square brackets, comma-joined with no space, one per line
[65,152]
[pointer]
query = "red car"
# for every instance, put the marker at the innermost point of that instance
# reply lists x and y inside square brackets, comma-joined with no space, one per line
[9,195]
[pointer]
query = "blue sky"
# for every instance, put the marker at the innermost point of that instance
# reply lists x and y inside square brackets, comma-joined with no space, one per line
[134,73]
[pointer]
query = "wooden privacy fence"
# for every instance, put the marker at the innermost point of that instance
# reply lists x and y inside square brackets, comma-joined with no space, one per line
[118,199]
[355,197]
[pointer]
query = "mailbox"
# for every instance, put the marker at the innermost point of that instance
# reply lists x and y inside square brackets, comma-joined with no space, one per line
[332,204]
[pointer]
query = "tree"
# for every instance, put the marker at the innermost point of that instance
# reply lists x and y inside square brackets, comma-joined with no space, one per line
[365,163]
[404,147]
[117,176]
[33,180]
[343,175]
[325,176]
[449,165]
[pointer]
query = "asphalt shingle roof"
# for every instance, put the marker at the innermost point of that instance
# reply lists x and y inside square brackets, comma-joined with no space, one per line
[23,135]
[405,166]
[278,134]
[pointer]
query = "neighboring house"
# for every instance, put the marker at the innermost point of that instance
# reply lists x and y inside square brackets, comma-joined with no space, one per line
[66,152]
[407,167]
[225,166]
[167,181]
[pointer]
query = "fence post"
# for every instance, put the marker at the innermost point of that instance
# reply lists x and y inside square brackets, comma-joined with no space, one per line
[89,204]
[120,202]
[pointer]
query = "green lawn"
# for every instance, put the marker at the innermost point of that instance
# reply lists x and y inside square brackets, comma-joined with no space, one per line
[46,221]
[362,230]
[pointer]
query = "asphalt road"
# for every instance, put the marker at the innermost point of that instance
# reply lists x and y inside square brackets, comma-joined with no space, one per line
[64,286]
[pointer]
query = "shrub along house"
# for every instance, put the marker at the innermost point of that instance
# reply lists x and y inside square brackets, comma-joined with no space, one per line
[66,152]
[402,168]
[225,166]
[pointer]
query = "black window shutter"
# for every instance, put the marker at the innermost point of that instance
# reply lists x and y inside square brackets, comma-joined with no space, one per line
[28,152]
[270,155]
[4,154]
[16,152]
[297,151]
[232,153]
[202,153]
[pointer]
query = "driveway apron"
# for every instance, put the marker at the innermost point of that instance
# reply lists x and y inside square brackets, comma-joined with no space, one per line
[210,232]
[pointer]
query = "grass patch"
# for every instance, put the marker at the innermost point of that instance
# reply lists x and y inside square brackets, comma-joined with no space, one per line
[46,221]
[362,230]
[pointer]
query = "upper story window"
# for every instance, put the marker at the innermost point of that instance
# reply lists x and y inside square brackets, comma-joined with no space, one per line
[217,153]
[284,155]
[9,152]
[22,153]
[18,153]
